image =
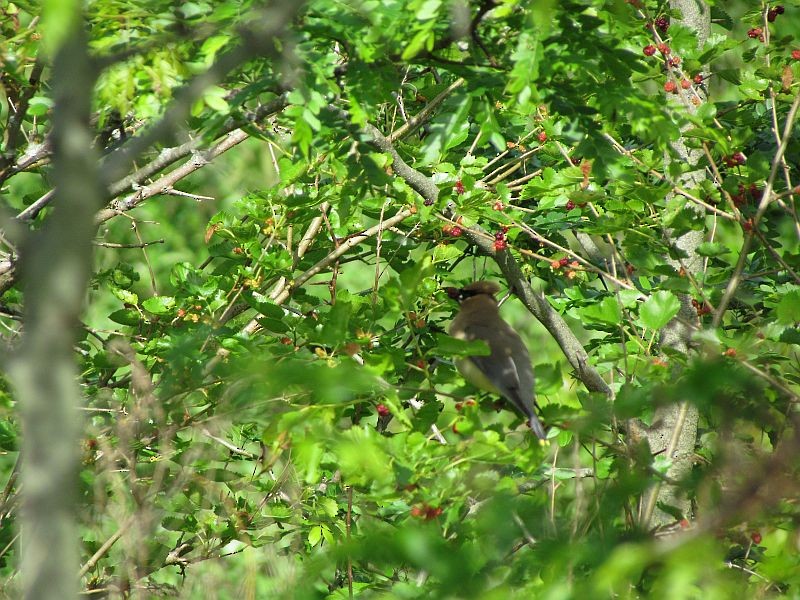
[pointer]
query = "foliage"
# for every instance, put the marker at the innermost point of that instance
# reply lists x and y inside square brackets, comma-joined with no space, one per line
[271,409]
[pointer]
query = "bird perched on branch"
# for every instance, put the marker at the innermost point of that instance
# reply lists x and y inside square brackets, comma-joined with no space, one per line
[507,370]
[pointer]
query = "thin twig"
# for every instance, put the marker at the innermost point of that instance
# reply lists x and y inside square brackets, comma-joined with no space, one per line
[114,245]
[103,550]
[766,197]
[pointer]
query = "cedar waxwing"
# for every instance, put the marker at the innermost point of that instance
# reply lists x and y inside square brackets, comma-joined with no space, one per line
[507,371]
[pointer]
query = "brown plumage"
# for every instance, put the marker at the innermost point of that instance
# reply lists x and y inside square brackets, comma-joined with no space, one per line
[507,370]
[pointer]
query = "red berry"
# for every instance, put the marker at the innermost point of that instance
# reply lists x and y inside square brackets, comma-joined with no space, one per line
[459,187]
[498,205]
[755,32]
[500,245]
[383,410]
[662,23]
[670,87]
[773,13]
[649,50]
[664,49]
[500,235]
[456,231]
[432,513]
[698,79]
[563,262]
[737,158]
[569,205]
[674,61]
[686,84]
[796,54]
[542,137]
[756,537]
[428,202]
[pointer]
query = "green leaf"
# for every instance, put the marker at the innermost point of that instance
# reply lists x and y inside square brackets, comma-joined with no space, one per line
[606,311]
[450,346]
[416,44]
[264,305]
[159,305]
[126,316]
[659,309]
[315,535]
[39,105]
[214,97]
[788,309]
[428,10]
[127,296]
[712,249]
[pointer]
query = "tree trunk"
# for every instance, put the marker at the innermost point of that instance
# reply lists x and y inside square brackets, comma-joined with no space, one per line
[56,266]
[674,429]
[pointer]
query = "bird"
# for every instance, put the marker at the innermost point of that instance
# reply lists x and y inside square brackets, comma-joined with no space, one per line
[507,370]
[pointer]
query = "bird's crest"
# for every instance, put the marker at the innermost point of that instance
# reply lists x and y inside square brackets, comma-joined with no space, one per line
[490,288]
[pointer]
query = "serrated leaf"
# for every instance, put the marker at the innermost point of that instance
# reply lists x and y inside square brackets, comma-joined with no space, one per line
[659,309]
[712,249]
[127,296]
[159,305]
[328,506]
[606,311]
[788,310]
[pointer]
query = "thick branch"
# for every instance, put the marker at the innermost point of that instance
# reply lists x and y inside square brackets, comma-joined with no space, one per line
[537,304]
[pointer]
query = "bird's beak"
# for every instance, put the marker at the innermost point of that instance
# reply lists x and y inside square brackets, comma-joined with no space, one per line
[453,292]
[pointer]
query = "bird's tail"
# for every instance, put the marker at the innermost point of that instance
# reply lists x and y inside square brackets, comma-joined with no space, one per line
[536,427]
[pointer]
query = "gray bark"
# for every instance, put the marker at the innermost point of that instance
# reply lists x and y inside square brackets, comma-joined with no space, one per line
[674,429]
[56,266]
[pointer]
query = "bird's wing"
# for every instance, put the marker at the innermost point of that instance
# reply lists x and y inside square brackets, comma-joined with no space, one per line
[513,381]
[500,369]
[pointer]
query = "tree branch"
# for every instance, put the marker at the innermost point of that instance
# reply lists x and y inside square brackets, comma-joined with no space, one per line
[537,304]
